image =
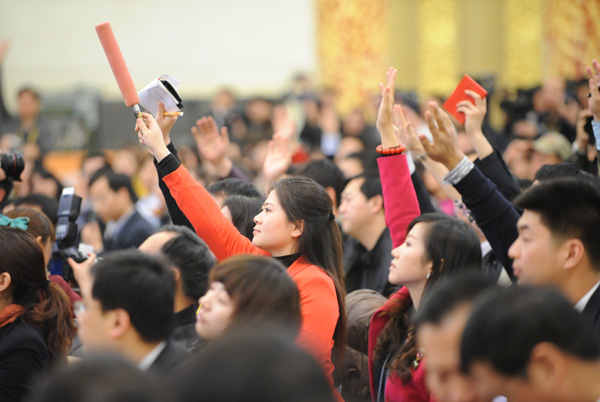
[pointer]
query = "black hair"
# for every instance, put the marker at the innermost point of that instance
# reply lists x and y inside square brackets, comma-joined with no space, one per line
[30,90]
[327,174]
[116,181]
[46,175]
[562,169]
[302,199]
[233,186]
[371,185]
[140,284]
[507,324]
[105,377]
[449,293]
[453,247]
[48,205]
[267,367]
[570,208]
[243,210]
[192,257]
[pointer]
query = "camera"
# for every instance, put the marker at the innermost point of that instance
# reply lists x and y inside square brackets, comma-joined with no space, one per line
[67,240]
[12,164]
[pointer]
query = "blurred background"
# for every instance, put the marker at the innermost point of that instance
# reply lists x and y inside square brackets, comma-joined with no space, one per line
[335,51]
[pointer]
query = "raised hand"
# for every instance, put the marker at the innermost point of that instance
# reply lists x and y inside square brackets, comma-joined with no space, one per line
[594,82]
[165,122]
[385,119]
[474,113]
[405,132]
[213,145]
[444,148]
[283,124]
[278,159]
[149,134]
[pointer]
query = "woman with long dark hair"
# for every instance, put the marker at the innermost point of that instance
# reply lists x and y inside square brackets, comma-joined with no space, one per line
[36,324]
[432,246]
[296,226]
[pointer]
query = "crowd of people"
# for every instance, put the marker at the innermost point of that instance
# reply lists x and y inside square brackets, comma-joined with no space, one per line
[291,254]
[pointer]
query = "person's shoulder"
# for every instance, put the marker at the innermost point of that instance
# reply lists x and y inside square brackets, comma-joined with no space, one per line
[20,336]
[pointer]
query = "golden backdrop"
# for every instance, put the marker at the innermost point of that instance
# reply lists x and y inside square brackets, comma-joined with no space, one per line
[433,43]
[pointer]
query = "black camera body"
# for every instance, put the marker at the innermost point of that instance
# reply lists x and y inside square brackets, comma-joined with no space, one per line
[67,240]
[12,164]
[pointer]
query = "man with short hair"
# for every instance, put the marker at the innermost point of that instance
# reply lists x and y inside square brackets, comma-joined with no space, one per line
[530,345]
[128,309]
[367,253]
[559,241]
[113,200]
[440,321]
[191,260]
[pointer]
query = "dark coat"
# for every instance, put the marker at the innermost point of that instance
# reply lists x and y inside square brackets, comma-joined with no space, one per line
[23,355]
[131,235]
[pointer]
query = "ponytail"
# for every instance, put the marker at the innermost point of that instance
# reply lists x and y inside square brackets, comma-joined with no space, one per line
[53,316]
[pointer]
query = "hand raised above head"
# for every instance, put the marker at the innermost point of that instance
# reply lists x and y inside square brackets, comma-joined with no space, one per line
[405,132]
[444,148]
[165,122]
[474,113]
[150,134]
[594,83]
[211,144]
[385,114]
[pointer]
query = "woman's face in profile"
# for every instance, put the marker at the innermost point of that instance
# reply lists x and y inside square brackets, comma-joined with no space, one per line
[216,310]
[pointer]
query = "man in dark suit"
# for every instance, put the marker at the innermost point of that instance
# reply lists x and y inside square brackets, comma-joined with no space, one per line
[528,344]
[559,241]
[368,249]
[113,200]
[128,309]
[190,260]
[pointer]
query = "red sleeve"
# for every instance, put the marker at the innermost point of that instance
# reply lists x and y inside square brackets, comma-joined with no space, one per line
[320,312]
[399,197]
[204,214]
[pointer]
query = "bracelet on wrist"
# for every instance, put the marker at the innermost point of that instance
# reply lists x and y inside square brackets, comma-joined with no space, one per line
[398,149]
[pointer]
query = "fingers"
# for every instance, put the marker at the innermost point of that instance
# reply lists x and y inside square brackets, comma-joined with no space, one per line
[425,143]
[161,110]
[433,127]
[225,134]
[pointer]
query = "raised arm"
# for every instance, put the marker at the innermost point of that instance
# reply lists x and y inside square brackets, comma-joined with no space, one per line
[494,214]
[594,103]
[399,197]
[196,203]
[489,161]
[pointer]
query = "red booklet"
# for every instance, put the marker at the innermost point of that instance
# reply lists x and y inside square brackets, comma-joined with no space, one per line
[460,95]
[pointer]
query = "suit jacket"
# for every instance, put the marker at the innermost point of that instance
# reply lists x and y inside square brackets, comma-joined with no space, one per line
[133,233]
[171,357]
[592,310]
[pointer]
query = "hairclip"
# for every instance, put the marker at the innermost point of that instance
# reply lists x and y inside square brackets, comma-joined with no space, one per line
[21,222]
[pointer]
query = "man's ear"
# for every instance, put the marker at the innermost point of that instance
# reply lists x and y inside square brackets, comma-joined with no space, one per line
[298,228]
[120,323]
[546,368]
[176,274]
[124,193]
[5,281]
[572,252]
[375,203]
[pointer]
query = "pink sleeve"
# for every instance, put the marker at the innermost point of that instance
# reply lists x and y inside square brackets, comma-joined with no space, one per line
[399,197]
[204,214]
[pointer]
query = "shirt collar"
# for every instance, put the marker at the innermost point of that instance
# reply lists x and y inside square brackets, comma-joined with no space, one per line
[152,356]
[585,299]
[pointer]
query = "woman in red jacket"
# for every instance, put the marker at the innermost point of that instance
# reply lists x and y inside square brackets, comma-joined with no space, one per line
[296,226]
[430,247]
